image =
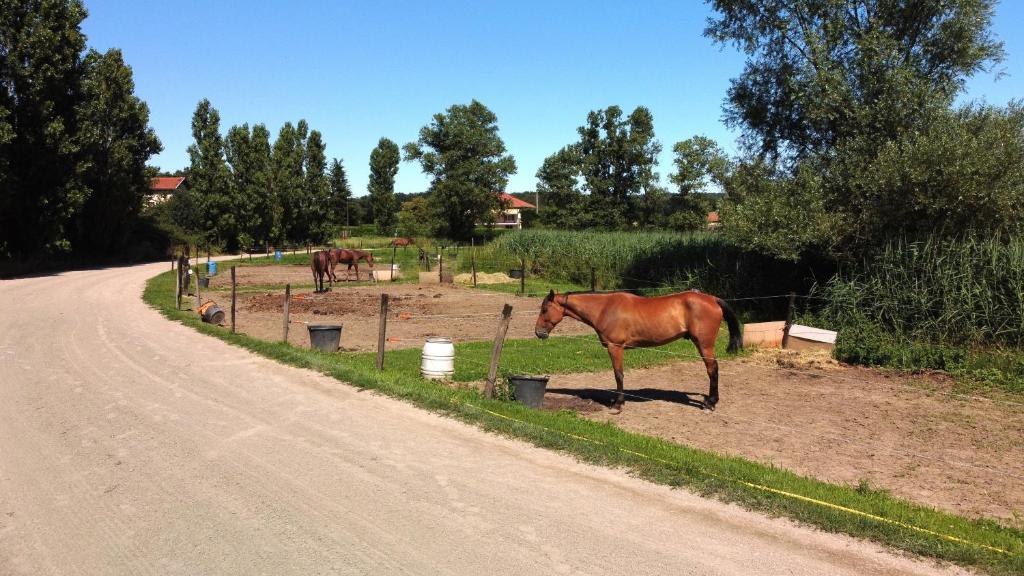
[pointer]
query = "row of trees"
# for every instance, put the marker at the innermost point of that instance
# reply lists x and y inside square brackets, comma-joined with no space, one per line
[243,191]
[74,138]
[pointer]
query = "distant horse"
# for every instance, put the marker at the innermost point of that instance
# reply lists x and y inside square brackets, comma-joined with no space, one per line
[320,264]
[403,242]
[624,320]
[351,257]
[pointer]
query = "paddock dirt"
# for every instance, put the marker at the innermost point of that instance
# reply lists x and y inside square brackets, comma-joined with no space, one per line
[909,435]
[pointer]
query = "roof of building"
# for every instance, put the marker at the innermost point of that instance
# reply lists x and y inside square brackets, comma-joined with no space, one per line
[713,217]
[166,183]
[514,202]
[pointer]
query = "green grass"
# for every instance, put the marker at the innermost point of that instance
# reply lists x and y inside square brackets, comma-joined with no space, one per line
[753,485]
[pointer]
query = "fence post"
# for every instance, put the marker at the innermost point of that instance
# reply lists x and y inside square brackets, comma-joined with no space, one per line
[177,288]
[593,279]
[394,248]
[472,259]
[789,319]
[232,299]
[199,299]
[287,302]
[499,341]
[382,330]
[440,265]
[522,277]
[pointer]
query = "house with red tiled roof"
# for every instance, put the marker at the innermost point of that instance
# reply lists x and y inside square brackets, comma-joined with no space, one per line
[162,188]
[714,220]
[511,216]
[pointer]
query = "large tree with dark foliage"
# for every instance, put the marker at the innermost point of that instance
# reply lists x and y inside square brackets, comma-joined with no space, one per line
[248,155]
[341,193]
[209,180]
[469,166]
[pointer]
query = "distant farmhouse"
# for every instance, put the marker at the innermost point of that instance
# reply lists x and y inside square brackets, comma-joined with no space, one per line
[511,216]
[162,188]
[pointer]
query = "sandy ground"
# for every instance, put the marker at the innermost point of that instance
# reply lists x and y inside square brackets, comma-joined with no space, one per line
[415,312]
[837,423]
[131,444]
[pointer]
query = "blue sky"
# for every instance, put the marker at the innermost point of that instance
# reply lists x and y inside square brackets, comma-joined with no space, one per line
[360,71]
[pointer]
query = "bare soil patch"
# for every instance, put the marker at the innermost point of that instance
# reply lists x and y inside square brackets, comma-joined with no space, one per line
[415,313]
[837,423]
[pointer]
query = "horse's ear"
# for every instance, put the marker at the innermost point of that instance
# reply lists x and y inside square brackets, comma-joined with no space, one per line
[550,296]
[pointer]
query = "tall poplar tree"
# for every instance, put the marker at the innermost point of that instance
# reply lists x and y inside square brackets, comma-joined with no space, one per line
[248,155]
[287,159]
[383,168]
[319,224]
[209,178]
[341,193]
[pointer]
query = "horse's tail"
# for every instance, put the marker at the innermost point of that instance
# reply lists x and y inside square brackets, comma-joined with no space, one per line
[735,337]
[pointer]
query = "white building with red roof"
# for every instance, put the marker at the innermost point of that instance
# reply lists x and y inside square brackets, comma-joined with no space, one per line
[162,188]
[511,216]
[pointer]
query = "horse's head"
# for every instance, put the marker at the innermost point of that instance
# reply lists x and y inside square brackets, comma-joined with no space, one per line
[369,259]
[551,313]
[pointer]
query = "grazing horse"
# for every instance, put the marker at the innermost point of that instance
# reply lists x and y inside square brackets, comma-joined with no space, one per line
[336,255]
[403,242]
[351,257]
[358,255]
[320,264]
[623,320]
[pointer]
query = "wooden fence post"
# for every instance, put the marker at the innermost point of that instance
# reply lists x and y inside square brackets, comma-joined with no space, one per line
[499,341]
[382,330]
[472,258]
[440,265]
[177,288]
[287,302]
[199,299]
[593,279]
[232,299]
[789,319]
[394,249]
[522,277]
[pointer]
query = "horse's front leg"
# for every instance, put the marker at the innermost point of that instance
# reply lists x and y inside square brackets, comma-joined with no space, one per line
[707,352]
[616,352]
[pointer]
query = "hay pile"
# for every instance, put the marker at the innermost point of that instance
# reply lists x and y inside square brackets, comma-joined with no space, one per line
[484,278]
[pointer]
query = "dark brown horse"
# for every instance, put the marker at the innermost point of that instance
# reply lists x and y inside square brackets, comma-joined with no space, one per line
[403,242]
[336,255]
[320,264]
[624,320]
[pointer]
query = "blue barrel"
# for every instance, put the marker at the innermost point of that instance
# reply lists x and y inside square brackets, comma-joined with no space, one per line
[211,268]
[277,255]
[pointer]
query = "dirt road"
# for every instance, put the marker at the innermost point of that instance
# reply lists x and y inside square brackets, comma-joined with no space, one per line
[125,451]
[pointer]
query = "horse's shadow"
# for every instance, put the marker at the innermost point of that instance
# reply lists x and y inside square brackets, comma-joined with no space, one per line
[607,397]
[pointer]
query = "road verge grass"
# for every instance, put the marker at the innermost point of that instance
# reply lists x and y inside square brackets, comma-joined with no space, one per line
[857,511]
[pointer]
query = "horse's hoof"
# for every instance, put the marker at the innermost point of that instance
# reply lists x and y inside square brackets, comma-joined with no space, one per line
[615,410]
[709,406]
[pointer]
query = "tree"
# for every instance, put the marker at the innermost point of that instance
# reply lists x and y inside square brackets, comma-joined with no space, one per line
[341,193]
[416,219]
[617,161]
[117,142]
[248,155]
[209,179]
[834,102]
[287,179]
[819,71]
[41,159]
[564,203]
[320,224]
[467,160]
[699,162]
[383,168]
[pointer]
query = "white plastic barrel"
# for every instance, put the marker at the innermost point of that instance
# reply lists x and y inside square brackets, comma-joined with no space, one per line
[438,358]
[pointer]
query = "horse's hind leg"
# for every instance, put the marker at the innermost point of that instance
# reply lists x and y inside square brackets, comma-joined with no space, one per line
[707,352]
[616,353]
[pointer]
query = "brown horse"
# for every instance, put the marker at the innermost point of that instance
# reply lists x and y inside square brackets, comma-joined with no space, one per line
[351,257]
[403,242]
[320,264]
[624,320]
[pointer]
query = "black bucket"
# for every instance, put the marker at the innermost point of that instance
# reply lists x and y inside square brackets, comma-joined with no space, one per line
[325,337]
[515,273]
[204,282]
[529,389]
